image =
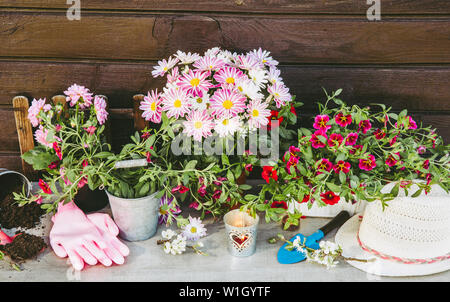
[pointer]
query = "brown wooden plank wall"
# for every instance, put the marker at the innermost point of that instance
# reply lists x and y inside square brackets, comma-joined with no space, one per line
[402,60]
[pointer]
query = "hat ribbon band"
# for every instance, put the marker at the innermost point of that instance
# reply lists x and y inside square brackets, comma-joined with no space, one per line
[399,259]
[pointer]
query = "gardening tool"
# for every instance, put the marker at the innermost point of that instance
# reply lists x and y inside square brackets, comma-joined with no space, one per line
[312,241]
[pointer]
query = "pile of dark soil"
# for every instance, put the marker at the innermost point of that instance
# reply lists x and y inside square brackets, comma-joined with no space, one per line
[13,216]
[23,247]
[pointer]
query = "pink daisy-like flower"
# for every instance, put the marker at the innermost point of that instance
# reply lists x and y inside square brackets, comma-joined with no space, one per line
[248,62]
[175,102]
[173,75]
[368,163]
[226,103]
[351,139]
[335,140]
[364,126]
[36,107]
[274,75]
[228,75]
[263,56]
[195,82]
[342,166]
[163,67]
[325,165]
[316,143]
[320,123]
[258,114]
[41,136]
[100,109]
[343,120]
[198,124]
[151,107]
[78,94]
[209,63]
[280,94]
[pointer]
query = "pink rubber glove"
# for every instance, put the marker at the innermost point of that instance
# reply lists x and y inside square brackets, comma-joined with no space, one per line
[74,235]
[115,250]
[4,239]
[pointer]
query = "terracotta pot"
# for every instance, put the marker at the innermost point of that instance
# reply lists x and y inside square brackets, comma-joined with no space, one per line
[91,201]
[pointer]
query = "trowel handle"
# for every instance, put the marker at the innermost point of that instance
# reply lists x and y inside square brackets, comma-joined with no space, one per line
[336,222]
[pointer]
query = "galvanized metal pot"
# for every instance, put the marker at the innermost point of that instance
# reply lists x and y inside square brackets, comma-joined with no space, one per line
[9,179]
[136,218]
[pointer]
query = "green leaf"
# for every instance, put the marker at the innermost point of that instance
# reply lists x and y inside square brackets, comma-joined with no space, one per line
[190,165]
[395,189]
[333,187]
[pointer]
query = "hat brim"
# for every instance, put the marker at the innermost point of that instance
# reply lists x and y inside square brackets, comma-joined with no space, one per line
[346,238]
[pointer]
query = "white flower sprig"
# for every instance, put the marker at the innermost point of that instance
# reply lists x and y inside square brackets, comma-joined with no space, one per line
[176,244]
[327,254]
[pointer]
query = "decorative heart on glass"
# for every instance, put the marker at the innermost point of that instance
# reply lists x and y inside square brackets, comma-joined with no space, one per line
[240,240]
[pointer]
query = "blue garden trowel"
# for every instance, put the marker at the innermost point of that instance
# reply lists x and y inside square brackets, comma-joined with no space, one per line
[312,241]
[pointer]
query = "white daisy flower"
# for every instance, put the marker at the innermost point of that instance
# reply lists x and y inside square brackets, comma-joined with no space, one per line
[227,126]
[246,87]
[259,77]
[195,229]
[212,52]
[187,58]
[280,94]
[200,103]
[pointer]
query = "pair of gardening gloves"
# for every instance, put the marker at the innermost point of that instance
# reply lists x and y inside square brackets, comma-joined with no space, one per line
[85,238]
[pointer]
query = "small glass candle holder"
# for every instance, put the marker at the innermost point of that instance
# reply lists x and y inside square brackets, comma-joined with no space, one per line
[241,230]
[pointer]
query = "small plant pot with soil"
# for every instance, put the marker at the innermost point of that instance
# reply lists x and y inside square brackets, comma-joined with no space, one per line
[137,218]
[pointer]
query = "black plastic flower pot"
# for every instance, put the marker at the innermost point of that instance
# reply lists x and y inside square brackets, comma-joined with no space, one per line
[91,201]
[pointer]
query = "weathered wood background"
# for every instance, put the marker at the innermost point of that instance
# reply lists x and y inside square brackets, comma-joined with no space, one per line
[402,60]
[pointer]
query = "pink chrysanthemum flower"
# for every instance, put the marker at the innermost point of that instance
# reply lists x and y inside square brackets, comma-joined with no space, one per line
[41,136]
[163,67]
[78,94]
[280,94]
[274,76]
[228,75]
[36,107]
[195,83]
[315,140]
[258,114]
[198,124]
[100,109]
[151,107]
[226,103]
[173,75]
[248,62]
[320,123]
[351,139]
[263,56]
[368,163]
[187,58]
[209,63]
[175,102]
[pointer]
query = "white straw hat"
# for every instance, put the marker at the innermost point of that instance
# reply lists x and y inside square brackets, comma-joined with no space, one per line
[411,237]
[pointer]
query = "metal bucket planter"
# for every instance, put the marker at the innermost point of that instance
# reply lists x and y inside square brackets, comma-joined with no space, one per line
[136,218]
[9,179]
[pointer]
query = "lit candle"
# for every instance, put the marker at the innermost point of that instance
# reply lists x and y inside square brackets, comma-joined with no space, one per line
[241,230]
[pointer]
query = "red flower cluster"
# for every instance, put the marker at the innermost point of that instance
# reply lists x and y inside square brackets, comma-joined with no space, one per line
[269,173]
